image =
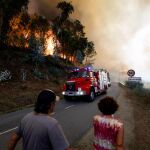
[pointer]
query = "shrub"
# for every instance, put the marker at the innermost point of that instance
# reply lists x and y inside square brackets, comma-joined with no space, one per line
[134,85]
[140,91]
[38,74]
[55,71]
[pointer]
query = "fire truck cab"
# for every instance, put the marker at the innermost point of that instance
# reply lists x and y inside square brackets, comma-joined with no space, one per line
[85,82]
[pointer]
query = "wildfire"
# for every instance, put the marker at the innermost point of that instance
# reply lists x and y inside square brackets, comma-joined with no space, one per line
[50,44]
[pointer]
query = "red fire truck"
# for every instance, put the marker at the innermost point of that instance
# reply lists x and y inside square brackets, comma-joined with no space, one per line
[85,82]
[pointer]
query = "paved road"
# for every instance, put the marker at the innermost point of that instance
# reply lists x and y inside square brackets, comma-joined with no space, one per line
[74,116]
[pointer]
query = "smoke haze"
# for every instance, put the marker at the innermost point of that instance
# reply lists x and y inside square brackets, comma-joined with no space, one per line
[120,30]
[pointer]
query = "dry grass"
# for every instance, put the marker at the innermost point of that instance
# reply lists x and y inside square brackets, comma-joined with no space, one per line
[16,95]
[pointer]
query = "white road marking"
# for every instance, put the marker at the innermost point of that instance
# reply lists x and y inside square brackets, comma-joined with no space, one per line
[69,107]
[7,131]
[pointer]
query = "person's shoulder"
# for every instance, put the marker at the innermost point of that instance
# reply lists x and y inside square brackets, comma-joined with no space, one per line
[96,117]
[51,123]
[119,122]
[27,118]
[51,120]
[29,115]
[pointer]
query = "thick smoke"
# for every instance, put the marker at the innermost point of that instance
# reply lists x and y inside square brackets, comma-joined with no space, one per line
[120,30]
[44,7]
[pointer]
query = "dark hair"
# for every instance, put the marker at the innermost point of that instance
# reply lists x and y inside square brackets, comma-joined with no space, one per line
[44,100]
[108,105]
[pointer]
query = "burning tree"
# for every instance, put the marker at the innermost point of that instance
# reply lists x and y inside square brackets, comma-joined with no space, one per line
[66,36]
[19,30]
[74,45]
[39,28]
[8,9]
[28,31]
[31,32]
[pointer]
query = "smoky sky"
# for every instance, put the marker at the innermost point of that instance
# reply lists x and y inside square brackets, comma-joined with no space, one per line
[120,30]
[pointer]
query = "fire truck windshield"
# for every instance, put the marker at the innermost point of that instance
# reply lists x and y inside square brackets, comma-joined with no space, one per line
[78,74]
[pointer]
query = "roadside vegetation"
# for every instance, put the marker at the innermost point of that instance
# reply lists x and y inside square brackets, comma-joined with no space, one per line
[141,104]
[141,92]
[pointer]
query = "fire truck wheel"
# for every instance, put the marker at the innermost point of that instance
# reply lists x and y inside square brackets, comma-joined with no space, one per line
[92,95]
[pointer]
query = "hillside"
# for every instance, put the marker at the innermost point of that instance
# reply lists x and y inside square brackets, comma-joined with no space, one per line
[28,77]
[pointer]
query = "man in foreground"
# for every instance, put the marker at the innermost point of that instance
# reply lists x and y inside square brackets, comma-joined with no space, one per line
[38,129]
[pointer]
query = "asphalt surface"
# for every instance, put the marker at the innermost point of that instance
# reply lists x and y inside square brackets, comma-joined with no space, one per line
[74,116]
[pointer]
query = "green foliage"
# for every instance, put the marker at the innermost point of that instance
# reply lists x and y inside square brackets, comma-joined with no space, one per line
[58,62]
[142,92]
[67,9]
[71,36]
[34,57]
[38,74]
[73,41]
[138,89]
[134,85]
[38,25]
[54,71]
[79,56]
[32,42]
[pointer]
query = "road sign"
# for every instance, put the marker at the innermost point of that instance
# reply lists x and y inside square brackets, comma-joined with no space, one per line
[135,79]
[131,72]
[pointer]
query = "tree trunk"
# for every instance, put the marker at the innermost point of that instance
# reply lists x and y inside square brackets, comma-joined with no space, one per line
[1,21]
[74,55]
